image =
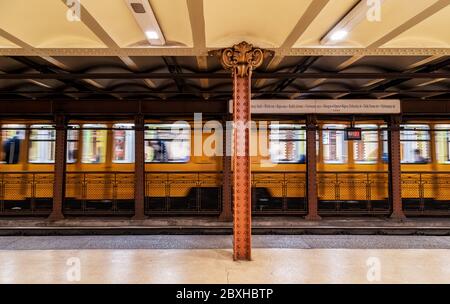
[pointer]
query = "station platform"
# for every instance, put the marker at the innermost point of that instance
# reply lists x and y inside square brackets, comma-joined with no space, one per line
[208,259]
[211,225]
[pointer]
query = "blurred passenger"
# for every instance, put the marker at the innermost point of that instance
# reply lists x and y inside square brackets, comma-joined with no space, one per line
[160,151]
[302,159]
[418,158]
[11,149]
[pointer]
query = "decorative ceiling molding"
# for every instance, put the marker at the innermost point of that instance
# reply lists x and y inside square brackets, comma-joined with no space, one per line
[180,51]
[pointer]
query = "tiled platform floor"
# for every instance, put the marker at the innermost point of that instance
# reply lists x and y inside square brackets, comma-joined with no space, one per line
[216,266]
[207,259]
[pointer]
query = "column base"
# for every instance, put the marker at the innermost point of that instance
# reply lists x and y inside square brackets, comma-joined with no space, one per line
[139,217]
[223,217]
[56,216]
[242,259]
[399,216]
[313,217]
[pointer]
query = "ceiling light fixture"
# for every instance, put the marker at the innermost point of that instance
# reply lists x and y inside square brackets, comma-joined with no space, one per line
[351,20]
[152,35]
[146,19]
[339,35]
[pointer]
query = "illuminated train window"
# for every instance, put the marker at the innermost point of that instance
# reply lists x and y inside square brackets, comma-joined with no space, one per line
[365,151]
[42,144]
[167,143]
[11,137]
[443,143]
[123,148]
[73,134]
[415,144]
[287,144]
[334,144]
[94,144]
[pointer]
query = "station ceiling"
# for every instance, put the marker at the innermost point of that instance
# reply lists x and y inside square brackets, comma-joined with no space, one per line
[36,37]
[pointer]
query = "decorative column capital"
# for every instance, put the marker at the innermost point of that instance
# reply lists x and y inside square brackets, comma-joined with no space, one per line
[242,58]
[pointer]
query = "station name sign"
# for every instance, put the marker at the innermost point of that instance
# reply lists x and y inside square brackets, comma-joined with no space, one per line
[324,106]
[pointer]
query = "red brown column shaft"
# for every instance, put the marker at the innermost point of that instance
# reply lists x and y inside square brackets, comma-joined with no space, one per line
[139,168]
[242,171]
[241,59]
[226,214]
[311,168]
[395,175]
[59,185]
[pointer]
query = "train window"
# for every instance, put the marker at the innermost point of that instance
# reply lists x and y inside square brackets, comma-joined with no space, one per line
[11,136]
[334,145]
[443,143]
[123,150]
[72,143]
[94,143]
[365,151]
[42,144]
[287,144]
[415,144]
[167,143]
[385,143]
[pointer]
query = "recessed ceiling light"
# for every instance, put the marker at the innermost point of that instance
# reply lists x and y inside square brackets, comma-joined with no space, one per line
[152,35]
[339,35]
[352,19]
[146,19]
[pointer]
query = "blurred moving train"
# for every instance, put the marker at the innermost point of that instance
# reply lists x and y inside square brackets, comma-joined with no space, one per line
[352,174]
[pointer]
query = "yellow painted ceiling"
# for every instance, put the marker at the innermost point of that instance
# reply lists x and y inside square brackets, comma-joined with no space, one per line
[265,23]
[173,16]
[116,20]
[393,14]
[327,18]
[433,32]
[43,23]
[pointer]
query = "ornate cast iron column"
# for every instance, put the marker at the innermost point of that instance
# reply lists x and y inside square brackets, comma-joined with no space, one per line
[241,59]
[59,185]
[395,175]
[226,214]
[139,168]
[311,168]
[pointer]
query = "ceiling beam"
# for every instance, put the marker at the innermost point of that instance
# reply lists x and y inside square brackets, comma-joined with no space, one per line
[423,15]
[411,68]
[431,68]
[107,40]
[79,84]
[299,29]
[36,52]
[197,20]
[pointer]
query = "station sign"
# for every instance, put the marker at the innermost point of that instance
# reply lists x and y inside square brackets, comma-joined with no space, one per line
[324,106]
